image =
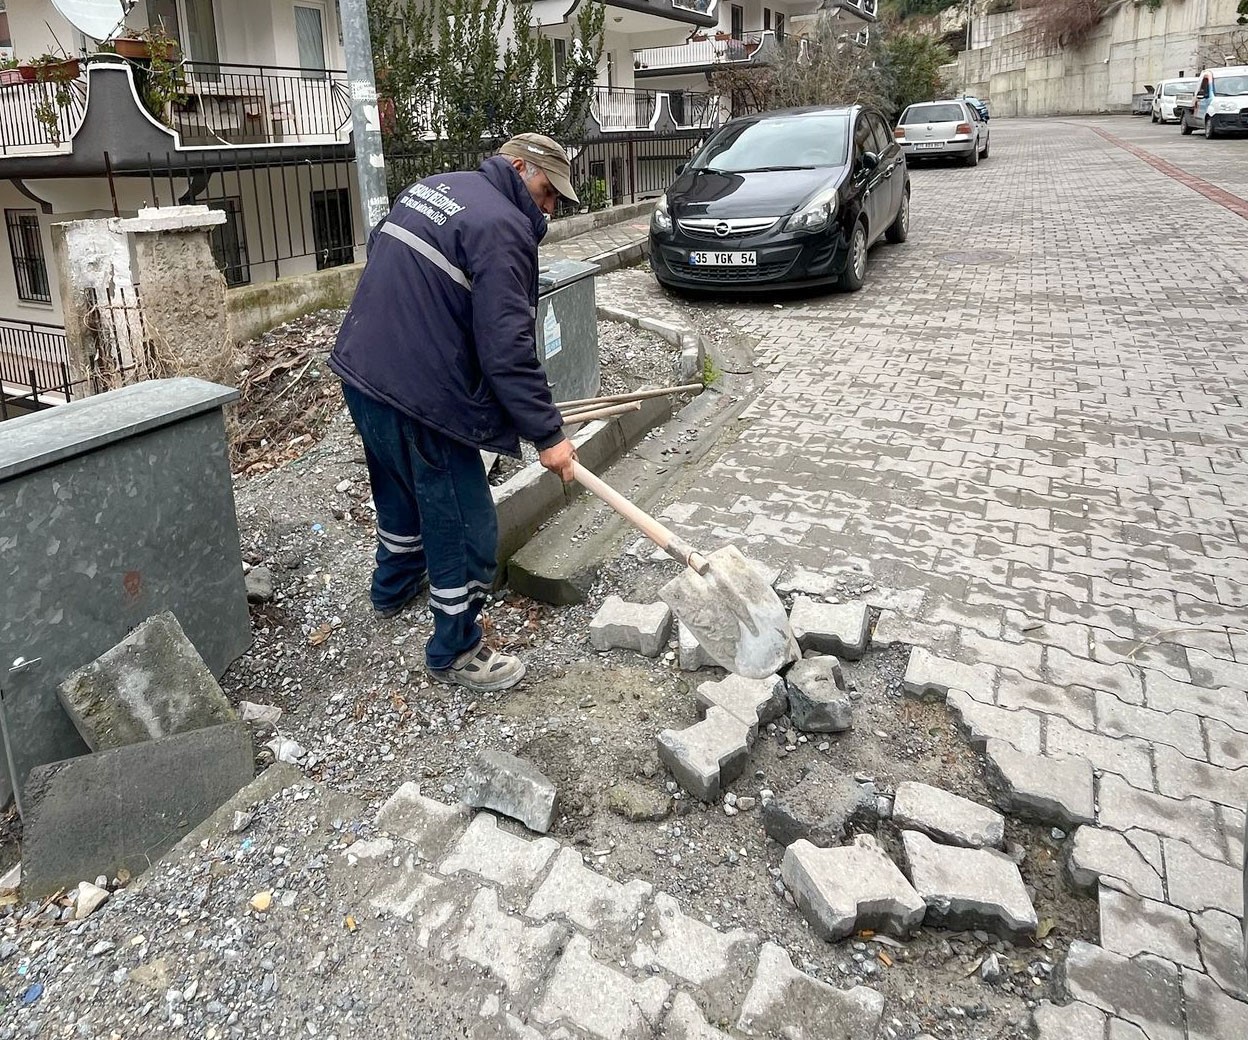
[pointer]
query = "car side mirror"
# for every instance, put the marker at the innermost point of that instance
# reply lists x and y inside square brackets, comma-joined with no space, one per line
[869,161]
[1149,88]
[680,168]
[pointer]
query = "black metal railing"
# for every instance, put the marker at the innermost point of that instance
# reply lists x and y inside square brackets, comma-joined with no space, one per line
[231,104]
[694,110]
[34,365]
[38,116]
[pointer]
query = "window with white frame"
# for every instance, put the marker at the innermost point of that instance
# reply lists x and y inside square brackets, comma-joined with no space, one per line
[310,37]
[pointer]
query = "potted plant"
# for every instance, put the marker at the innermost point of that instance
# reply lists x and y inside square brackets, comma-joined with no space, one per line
[57,74]
[152,43]
[9,72]
[158,71]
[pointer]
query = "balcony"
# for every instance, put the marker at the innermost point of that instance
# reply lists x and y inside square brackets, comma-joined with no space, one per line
[701,54]
[618,109]
[863,10]
[33,120]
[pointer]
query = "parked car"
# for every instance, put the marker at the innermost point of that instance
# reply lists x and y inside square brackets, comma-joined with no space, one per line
[980,107]
[932,129]
[1166,94]
[790,198]
[1219,104]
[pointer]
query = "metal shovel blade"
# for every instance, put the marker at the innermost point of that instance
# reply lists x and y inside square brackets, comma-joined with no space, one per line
[734,614]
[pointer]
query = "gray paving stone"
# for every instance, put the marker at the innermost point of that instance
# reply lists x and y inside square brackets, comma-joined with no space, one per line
[429,825]
[1178,729]
[1129,758]
[1222,951]
[930,676]
[1053,790]
[686,1022]
[152,684]
[1227,747]
[1143,990]
[1212,1014]
[1131,925]
[1074,1021]
[1196,882]
[850,888]
[693,658]
[512,787]
[895,627]
[1096,853]
[818,700]
[604,908]
[839,629]
[980,723]
[488,851]
[640,627]
[433,905]
[783,1001]
[819,808]
[706,757]
[1181,777]
[947,817]
[1121,807]
[754,701]
[968,888]
[587,994]
[1121,1029]
[516,953]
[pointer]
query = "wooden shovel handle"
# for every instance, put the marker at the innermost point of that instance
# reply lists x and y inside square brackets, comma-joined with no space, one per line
[665,539]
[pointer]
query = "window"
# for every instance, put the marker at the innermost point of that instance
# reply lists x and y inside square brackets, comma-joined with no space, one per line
[809,140]
[766,18]
[331,228]
[229,243]
[738,21]
[6,41]
[561,62]
[881,139]
[310,34]
[26,248]
[779,26]
[191,22]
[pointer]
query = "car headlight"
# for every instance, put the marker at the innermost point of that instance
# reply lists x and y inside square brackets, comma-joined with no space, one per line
[661,218]
[816,214]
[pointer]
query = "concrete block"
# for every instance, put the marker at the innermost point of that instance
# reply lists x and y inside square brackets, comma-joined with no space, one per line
[606,909]
[489,852]
[1041,788]
[640,627]
[839,629]
[126,807]
[783,1001]
[754,701]
[947,817]
[686,1022]
[1143,990]
[692,657]
[844,890]
[930,676]
[819,808]
[429,825]
[706,757]
[818,700]
[1077,1021]
[514,952]
[981,722]
[1096,853]
[1131,925]
[596,998]
[969,888]
[511,786]
[152,684]
[1196,882]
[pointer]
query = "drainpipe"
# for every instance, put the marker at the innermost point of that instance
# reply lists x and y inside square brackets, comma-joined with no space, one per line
[370,161]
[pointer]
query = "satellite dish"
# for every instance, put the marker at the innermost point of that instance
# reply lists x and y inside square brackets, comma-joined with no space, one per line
[98,19]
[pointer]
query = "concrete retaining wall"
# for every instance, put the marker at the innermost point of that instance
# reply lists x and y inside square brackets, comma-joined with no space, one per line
[1134,46]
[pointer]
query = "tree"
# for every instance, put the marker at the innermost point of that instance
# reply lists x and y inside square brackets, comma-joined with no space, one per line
[455,78]
[912,63]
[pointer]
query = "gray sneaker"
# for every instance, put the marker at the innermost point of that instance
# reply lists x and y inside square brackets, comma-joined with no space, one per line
[483,670]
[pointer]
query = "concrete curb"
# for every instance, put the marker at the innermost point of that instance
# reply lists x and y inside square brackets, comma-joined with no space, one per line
[583,223]
[692,345]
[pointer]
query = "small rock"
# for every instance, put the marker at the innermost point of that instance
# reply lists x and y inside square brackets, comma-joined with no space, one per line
[261,901]
[990,969]
[818,700]
[511,786]
[342,486]
[259,585]
[88,900]
[638,803]
[242,820]
[746,803]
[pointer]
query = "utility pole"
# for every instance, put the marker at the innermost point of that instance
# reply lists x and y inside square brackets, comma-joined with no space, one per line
[370,161]
[969,16]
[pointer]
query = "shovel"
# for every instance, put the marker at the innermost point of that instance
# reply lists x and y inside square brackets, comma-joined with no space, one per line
[721,598]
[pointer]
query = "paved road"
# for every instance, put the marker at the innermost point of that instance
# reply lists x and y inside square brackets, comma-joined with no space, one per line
[1046,440]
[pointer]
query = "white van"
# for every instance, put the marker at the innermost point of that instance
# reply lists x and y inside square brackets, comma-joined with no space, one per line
[1164,97]
[1219,104]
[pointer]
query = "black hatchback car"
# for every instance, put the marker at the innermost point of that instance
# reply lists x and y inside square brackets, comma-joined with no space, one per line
[790,198]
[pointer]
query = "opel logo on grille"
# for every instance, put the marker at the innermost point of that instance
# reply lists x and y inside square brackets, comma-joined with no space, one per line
[722,228]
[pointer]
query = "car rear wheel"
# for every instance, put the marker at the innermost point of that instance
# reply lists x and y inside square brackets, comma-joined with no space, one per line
[984,153]
[973,158]
[1210,132]
[1184,129]
[1155,118]
[855,272]
[899,230]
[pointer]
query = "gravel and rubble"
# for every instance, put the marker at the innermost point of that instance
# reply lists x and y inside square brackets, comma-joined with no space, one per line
[359,714]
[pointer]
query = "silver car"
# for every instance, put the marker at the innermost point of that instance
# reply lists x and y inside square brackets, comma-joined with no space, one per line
[933,129]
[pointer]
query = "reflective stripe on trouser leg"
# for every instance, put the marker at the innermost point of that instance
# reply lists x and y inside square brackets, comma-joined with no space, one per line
[400,557]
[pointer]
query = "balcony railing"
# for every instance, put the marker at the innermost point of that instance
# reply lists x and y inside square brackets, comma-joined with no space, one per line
[260,104]
[33,355]
[694,110]
[716,49]
[701,6]
[39,117]
[622,108]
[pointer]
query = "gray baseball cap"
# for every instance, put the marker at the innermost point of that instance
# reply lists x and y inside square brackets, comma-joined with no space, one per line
[548,156]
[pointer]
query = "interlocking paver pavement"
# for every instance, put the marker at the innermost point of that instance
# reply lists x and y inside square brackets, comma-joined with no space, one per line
[1033,416]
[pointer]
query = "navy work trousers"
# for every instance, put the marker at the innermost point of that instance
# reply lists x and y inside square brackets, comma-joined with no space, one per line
[435,518]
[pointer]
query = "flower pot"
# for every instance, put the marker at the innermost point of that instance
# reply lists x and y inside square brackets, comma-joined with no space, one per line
[54,72]
[8,77]
[141,50]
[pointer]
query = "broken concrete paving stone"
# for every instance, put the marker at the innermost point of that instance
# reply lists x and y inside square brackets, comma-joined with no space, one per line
[1043,788]
[707,756]
[512,786]
[819,701]
[692,656]
[754,701]
[839,629]
[947,817]
[265,714]
[152,684]
[820,808]
[640,627]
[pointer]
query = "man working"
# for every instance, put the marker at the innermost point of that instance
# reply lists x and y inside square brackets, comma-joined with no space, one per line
[438,360]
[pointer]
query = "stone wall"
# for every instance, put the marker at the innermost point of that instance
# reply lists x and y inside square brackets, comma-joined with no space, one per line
[1133,47]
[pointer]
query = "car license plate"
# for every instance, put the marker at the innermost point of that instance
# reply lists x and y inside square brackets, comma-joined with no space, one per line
[749,259]
[927,144]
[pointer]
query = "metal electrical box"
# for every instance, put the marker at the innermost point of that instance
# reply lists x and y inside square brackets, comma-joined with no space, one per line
[567,328]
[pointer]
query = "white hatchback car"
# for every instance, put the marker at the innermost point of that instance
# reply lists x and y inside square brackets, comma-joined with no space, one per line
[952,129]
[1164,97]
